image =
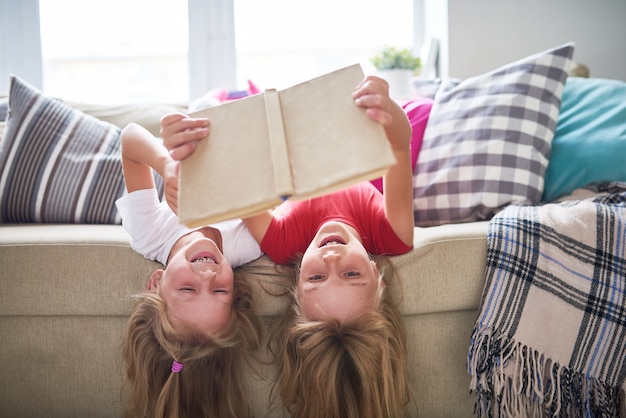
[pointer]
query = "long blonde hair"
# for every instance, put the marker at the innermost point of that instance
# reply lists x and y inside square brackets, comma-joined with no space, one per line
[351,369]
[210,383]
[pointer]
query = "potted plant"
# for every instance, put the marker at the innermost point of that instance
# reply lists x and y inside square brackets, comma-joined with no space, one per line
[397,66]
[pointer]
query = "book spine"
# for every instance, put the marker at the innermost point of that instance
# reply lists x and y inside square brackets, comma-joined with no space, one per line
[278,145]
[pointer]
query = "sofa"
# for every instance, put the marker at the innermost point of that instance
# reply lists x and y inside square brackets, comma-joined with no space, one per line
[66,296]
[68,271]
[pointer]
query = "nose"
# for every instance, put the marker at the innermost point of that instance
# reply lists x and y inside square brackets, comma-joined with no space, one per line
[209,272]
[330,256]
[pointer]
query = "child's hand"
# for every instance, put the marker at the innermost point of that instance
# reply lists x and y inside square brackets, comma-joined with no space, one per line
[181,133]
[170,183]
[373,95]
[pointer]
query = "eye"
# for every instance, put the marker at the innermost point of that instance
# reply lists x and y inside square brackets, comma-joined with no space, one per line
[221,291]
[315,278]
[187,289]
[353,274]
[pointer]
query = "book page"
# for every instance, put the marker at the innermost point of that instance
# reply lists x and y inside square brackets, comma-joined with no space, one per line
[332,143]
[230,173]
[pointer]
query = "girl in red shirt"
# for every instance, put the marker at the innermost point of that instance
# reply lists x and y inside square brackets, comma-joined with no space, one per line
[341,348]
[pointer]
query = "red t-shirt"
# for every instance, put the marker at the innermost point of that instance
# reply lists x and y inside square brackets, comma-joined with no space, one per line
[295,223]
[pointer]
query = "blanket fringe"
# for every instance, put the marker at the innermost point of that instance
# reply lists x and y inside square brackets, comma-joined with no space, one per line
[510,379]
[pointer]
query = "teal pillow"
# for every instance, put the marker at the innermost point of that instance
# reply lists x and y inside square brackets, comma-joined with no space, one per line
[589,144]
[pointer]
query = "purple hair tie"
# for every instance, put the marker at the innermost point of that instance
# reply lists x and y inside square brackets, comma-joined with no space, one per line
[176,366]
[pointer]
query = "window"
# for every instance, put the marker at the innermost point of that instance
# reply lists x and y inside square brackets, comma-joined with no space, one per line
[130,51]
[282,42]
[115,51]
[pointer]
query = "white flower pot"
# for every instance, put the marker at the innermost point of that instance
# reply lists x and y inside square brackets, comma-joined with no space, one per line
[399,80]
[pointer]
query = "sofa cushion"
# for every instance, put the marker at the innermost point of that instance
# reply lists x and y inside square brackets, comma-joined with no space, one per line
[58,164]
[64,270]
[590,140]
[488,138]
[146,115]
[71,253]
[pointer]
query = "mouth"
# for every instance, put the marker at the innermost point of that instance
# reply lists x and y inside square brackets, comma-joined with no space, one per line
[204,258]
[332,240]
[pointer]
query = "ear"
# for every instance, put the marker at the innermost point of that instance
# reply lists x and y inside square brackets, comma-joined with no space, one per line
[155,279]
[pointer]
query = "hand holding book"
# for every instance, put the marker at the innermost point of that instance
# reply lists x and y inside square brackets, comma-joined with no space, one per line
[300,142]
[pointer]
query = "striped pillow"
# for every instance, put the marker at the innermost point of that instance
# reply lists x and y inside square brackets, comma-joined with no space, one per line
[58,165]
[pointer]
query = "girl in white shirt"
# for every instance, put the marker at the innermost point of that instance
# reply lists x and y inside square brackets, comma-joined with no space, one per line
[189,333]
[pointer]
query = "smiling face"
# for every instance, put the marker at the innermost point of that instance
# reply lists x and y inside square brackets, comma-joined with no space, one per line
[337,278]
[197,285]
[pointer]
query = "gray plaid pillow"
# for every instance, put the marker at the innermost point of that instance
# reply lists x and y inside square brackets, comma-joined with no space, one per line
[487,142]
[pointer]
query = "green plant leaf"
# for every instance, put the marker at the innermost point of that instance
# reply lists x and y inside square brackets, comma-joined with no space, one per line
[390,58]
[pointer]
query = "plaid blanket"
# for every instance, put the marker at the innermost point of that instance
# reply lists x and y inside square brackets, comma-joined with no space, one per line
[550,337]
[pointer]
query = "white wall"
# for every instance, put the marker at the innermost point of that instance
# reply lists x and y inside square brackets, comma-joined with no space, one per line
[484,34]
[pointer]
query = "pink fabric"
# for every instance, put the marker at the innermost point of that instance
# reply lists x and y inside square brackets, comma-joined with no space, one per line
[418,111]
[361,206]
[225,95]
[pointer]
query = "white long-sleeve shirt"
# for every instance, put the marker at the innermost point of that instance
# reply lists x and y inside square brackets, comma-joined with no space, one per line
[154,228]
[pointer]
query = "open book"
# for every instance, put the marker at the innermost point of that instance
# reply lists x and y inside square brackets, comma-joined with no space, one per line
[304,141]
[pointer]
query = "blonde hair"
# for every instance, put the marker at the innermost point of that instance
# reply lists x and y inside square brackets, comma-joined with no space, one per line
[352,369]
[210,383]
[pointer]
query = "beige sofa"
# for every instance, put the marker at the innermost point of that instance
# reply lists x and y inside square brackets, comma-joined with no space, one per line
[65,297]
[64,302]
